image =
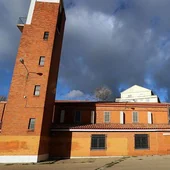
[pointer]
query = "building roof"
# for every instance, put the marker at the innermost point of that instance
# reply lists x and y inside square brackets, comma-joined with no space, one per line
[136,88]
[113,104]
[113,126]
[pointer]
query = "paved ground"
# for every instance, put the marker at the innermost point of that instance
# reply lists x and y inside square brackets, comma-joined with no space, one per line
[119,163]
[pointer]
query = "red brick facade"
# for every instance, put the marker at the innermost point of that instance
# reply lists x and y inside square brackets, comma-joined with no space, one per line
[23,104]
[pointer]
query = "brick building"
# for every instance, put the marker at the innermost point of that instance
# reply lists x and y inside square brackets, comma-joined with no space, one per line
[35,127]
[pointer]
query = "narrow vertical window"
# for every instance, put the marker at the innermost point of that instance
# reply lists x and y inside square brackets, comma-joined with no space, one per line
[31,125]
[135,117]
[150,119]
[106,117]
[46,35]
[77,117]
[122,117]
[41,61]
[37,90]
[62,115]
[169,115]
[92,117]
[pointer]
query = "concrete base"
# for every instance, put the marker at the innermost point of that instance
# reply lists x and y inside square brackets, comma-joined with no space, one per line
[23,158]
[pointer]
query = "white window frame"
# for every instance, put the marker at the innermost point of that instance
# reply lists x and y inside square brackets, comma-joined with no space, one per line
[42,61]
[31,125]
[150,118]
[92,117]
[135,117]
[37,90]
[106,112]
[122,117]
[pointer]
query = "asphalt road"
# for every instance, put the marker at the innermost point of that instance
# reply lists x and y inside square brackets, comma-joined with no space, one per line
[116,163]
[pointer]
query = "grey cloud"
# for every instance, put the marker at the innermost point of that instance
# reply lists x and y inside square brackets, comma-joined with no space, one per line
[10,11]
[115,42]
[106,42]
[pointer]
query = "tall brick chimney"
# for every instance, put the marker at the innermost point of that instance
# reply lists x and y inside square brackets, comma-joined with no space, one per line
[28,115]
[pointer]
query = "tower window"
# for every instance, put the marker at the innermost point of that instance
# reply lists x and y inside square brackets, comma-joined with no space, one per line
[46,35]
[31,125]
[37,90]
[42,61]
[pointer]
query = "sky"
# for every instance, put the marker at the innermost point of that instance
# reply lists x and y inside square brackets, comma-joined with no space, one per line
[113,43]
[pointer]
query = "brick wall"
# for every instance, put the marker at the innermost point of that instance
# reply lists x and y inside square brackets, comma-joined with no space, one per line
[78,144]
[22,104]
[2,110]
[70,108]
[159,112]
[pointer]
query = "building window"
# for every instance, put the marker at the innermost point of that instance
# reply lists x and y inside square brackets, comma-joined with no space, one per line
[98,142]
[46,35]
[42,61]
[150,118]
[135,117]
[141,141]
[37,90]
[62,115]
[31,125]
[77,117]
[106,117]
[122,117]
[169,115]
[92,117]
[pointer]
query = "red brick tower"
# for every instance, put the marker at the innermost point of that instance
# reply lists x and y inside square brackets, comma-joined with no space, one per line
[28,115]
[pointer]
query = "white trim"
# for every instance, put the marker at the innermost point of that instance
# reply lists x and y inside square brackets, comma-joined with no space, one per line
[150,121]
[111,130]
[79,157]
[122,117]
[92,117]
[50,1]
[30,12]
[23,158]
[18,159]
[32,6]
[84,157]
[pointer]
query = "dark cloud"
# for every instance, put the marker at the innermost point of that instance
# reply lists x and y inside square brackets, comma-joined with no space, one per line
[10,11]
[115,43]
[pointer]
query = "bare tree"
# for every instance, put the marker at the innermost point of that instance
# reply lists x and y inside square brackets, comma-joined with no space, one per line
[103,93]
[3,98]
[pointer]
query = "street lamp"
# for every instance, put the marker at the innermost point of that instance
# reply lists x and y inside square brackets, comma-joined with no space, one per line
[28,72]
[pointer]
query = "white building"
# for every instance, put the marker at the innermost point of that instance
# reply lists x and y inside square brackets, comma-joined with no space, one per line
[137,94]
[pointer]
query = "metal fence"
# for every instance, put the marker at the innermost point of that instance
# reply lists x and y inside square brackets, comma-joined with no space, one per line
[22,20]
